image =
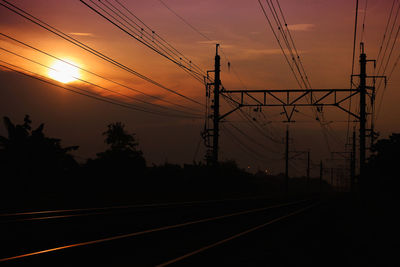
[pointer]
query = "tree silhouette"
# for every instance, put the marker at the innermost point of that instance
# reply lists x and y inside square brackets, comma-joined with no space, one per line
[122,156]
[383,165]
[29,152]
[118,139]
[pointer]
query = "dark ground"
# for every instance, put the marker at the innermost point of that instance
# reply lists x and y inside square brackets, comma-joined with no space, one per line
[342,230]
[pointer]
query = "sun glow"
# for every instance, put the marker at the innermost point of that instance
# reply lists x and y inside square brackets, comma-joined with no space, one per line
[64,72]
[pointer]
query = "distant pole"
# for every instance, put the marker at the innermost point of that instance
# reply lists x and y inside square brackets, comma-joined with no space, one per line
[308,171]
[320,176]
[353,164]
[217,83]
[332,177]
[287,161]
[363,120]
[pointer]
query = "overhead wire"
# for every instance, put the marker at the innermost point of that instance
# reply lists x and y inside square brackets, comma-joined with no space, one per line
[299,65]
[74,41]
[102,77]
[253,124]
[154,40]
[301,70]
[304,83]
[245,148]
[247,137]
[157,35]
[128,30]
[352,70]
[386,30]
[363,24]
[294,46]
[184,20]
[385,62]
[250,121]
[223,53]
[158,47]
[384,71]
[393,68]
[279,43]
[81,91]
[286,40]
[205,37]
[87,82]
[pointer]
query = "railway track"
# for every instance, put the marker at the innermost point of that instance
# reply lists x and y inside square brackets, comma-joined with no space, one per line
[140,235]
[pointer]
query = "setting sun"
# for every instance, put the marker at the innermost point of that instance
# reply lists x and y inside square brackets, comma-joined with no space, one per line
[64,72]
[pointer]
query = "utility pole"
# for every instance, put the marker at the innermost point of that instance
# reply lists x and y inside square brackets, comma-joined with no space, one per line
[308,171]
[287,161]
[320,176]
[353,164]
[308,164]
[216,117]
[363,104]
[363,116]
[291,98]
[338,181]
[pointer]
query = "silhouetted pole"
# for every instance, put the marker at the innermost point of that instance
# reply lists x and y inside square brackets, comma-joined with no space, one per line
[320,176]
[287,161]
[363,91]
[353,164]
[332,177]
[308,170]
[217,83]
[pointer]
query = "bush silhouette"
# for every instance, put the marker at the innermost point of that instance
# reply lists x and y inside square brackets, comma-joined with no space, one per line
[383,164]
[26,152]
[123,156]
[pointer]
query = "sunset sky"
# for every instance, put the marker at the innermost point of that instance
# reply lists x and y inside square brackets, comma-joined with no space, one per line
[322,30]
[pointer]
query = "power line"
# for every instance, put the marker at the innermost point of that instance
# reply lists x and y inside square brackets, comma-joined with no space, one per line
[279,43]
[278,23]
[249,138]
[294,46]
[386,29]
[354,42]
[82,80]
[114,21]
[363,24]
[391,51]
[185,21]
[157,35]
[72,40]
[301,69]
[245,148]
[251,122]
[150,40]
[83,92]
[394,67]
[205,37]
[285,38]
[388,41]
[352,70]
[123,27]
[102,77]
[390,54]
[384,70]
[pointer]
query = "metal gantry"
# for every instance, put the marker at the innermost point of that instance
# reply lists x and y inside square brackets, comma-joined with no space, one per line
[289,99]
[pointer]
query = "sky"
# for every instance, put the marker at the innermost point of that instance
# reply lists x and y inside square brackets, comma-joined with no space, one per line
[322,31]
